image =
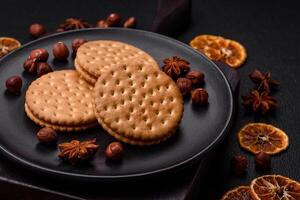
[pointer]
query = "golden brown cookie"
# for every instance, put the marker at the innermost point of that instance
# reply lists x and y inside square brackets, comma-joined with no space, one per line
[85,75]
[62,99]
[92,57]
[137,103]
[58,127]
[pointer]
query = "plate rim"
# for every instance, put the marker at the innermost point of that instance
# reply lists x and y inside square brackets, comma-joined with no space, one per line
[205,150]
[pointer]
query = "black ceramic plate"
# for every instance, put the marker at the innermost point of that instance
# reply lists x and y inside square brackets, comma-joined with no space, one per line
[200,129]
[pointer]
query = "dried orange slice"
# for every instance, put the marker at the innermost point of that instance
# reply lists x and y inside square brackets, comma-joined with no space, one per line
[239,193]
[275,187]
[260,137]
[7,45]
[220,49]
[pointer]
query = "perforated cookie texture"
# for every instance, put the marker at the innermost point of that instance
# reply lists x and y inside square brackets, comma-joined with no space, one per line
[61,98]
[94,56]
[138,101]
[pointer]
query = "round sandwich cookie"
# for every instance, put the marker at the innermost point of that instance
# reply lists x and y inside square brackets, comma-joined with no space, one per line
[137,103]
[94,56]
[61,100]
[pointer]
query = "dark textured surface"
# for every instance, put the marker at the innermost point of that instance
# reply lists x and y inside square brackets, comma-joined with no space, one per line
[268,29]
[270,32]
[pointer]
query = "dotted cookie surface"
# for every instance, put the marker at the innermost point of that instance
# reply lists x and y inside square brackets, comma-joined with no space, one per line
[137,102]
[61,98]
[94,56]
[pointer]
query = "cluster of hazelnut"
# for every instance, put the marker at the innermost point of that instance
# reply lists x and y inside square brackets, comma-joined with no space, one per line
[188,82]
[114,20]
[37,30]
[185,85]
[239,163]
[36,63]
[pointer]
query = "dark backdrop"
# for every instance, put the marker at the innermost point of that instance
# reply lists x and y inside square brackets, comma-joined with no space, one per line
[268,29]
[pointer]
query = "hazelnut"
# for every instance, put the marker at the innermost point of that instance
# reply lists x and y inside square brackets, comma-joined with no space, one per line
[43,68]
[113,20]
[30,65]
[239,164]
[46,135]
[60,51]
[130,23]
[37,30]
[262,160]
[184,85]
[199,96]
[59,30]
[102,24]
[114,151]
[40,55]
[77,43]
[14,84]
[196,77]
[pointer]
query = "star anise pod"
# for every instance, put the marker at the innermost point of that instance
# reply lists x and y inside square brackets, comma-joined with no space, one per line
[175,66]
[73,23]
[259,101]
[75,151]
[263,81]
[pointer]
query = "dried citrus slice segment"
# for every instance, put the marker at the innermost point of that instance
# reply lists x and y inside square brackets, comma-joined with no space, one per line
[275,187]
[208,45]
[239,193]
[234,54]
[7,45]
[220,49]
[202,42]
[260,137]
[213,54]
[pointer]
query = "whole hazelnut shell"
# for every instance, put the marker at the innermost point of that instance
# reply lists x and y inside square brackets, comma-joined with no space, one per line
[59,30]
[130,23]
[37,30]
[196,77]
[14,84]
[76,43]
[184,85]
[30,65]
[102,24]
[60,51]
[114,151]
[239,164]
[39,54]
[113,20]
[43,68]
[199,96]
[47,135]
[262,160]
